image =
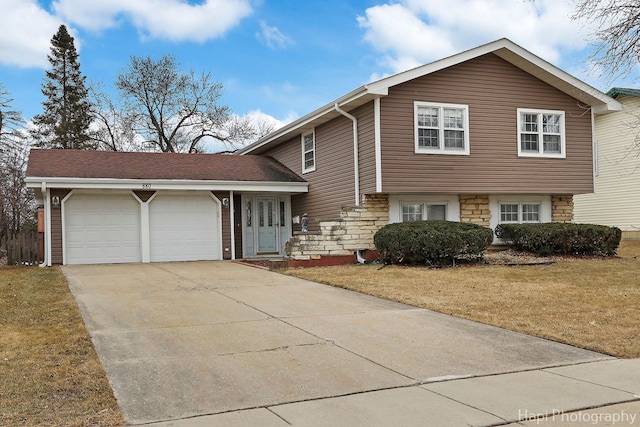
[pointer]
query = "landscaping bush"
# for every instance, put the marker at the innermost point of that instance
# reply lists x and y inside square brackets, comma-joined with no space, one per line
[561,238]
[431,242]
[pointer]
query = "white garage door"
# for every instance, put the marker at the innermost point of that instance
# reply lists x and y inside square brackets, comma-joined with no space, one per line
[184,227]
[102,229]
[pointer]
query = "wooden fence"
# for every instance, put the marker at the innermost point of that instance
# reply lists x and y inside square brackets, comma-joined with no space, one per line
[21,248]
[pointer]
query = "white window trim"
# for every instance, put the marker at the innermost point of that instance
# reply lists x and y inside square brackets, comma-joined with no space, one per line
[496,200]
[441,149]
[540,153]
[425,204]
[450,200]
[304,168]
[520,212]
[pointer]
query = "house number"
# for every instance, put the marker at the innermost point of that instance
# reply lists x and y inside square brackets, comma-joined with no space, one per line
[146,186]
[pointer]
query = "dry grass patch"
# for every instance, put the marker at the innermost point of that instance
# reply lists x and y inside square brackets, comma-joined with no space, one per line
[593,303]
[50,374]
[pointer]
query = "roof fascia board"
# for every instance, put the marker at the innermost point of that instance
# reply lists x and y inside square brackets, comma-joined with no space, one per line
[532,64]
[610,104]
[151,185]
[432,67]
[305,120]
[533,61]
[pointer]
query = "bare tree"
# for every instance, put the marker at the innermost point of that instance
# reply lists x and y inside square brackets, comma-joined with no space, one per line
[617,34]
[17,204]
[112,128]
[11,122]
[176,112]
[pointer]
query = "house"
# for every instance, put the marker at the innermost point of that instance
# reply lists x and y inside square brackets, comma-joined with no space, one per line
[491,135]
[616,200]
[116,207]
[494,134]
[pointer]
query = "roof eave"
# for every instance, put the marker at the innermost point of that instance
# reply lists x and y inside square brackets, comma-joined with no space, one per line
[306,123]
[598,101]
[164,184]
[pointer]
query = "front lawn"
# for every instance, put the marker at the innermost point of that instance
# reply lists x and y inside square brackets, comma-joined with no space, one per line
[593,303]
[50,374]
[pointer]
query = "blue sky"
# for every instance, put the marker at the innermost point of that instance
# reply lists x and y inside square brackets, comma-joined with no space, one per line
[279,59]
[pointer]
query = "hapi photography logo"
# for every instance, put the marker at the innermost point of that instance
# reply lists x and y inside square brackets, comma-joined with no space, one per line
[586,418]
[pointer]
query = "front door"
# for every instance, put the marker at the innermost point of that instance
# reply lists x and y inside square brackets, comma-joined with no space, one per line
[268,222]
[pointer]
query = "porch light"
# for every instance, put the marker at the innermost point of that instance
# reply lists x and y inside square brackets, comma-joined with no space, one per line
[55,201]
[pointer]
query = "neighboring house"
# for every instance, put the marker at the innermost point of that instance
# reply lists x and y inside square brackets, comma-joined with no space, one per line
[494,134]
[491,135]
[115,207]
[616,201]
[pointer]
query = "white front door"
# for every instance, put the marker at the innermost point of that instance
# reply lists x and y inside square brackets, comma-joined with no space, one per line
[268,222]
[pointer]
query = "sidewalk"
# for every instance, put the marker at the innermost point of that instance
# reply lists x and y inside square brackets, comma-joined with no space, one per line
[597,393]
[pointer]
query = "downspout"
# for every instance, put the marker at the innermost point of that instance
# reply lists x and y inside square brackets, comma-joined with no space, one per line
[594,153]
[356,163]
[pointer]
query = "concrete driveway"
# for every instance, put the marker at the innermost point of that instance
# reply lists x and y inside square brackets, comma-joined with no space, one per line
[181,340]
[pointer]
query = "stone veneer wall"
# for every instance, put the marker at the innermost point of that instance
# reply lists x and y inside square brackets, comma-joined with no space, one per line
[354,230]
[562,208]
[474,208]
[356,226]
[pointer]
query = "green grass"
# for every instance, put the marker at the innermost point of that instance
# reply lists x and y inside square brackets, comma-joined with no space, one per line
[50,374]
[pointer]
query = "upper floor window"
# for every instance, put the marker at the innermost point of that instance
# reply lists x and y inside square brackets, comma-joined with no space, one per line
[441,128]
[308,152]
[541,133]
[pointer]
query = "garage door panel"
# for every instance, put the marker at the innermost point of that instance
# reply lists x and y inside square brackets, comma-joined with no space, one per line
[184,228]
[101,229]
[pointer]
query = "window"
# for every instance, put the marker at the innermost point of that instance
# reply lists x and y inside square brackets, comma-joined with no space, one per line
[308,152]
[541,133]
[422,211]
[411,212]
[519,212]
[442,128]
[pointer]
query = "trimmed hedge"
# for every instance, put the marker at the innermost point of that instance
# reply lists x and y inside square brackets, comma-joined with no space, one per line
[561,238]
[431,242]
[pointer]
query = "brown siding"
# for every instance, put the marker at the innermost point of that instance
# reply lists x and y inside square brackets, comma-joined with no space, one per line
[493,89]
[237,217]
[144,195]
[56,228]
[366,148]
[331,185]
[226,225]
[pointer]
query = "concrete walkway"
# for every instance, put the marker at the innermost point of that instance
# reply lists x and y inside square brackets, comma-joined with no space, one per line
[217,343]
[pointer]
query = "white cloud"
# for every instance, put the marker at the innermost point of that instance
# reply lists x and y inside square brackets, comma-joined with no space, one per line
[25,33]
[414,32]
[173,20]
[273,37]
[262,120]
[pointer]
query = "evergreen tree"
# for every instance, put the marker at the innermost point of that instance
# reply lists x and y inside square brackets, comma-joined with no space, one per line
[67,110]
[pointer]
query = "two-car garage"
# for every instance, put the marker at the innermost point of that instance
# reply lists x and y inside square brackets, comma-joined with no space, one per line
[120,227]
[98,207]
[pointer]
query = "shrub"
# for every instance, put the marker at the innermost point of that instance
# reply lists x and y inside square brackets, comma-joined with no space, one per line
[561,238]
[431,242]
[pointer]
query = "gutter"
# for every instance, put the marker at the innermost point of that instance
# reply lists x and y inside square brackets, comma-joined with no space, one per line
[356,162]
